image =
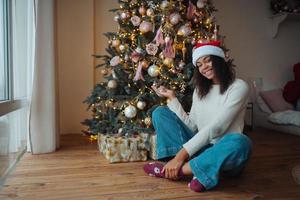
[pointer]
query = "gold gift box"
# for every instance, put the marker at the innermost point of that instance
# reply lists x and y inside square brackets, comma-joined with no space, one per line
[123,149]
[152,151]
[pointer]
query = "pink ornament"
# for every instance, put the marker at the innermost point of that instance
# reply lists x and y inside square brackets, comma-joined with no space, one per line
[115,61]
[190,11]
[159,38]
[135,56]
[139,74]
[184,30]
[146,27]
[135,20]
[151,49]
[174,18]
[169,50]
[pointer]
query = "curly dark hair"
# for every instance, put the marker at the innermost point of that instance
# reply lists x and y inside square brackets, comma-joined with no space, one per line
[224,71]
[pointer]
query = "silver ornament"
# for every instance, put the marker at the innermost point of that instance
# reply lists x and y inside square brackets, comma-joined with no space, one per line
[153,70]
[130,111]
[122,47]
[116,18]
[112,84]
[141,105]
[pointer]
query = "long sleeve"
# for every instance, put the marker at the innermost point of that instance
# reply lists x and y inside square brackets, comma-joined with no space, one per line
[177,108]
[235,102]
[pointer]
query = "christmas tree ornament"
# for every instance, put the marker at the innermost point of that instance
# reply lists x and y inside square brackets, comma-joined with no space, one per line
[164,4]
[135,56]
[148,121]
[181,64]
[159,37]
[104,71]
[122,48]
[141,105]
[120,130]
[115,61]
[116,43]
[135,20]
[139,74]
[113,73]
[146,27]
[116,18]
[161,55]
[112,84]
[151,49]
[168,62]
[201,3]
[153,70]
[150,12]
[145,64]
[126,57]
[130,111]
[124,15]
[174,18]
[142,10]
[184,30]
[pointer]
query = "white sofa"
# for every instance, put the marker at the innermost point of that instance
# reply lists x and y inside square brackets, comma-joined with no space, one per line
[285,121]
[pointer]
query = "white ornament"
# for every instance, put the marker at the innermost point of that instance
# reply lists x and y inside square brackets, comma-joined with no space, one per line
[130,111]
[113,73]
[164,4]
[124,15]
[200,4]
[153,70]
[112,84]
[141,105]
[122,47]
[150,12]
[120,130]
[116,18]
[181,65]
[174,18]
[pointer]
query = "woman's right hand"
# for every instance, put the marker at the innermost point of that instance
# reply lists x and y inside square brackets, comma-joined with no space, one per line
[162,91]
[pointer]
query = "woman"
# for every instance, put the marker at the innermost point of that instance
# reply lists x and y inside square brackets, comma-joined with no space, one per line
[209,140]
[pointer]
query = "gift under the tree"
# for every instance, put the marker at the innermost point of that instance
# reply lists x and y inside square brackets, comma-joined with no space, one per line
[152,151]
[124,149]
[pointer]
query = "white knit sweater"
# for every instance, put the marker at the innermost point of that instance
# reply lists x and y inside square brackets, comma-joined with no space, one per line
[214,115]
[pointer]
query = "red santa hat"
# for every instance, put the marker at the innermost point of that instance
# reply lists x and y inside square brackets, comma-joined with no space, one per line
[206,49]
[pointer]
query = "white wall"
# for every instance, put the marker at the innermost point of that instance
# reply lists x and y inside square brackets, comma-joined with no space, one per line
[247,27]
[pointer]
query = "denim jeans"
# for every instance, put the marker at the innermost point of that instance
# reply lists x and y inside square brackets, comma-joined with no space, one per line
[228,156]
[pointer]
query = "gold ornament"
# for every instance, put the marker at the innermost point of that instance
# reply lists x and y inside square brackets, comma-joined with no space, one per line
[116,43]
[104,71]
[145,64]
[142,10]
[168,61]
[148,121]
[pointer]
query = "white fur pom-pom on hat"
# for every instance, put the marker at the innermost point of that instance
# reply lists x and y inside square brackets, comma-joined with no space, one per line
[206,49]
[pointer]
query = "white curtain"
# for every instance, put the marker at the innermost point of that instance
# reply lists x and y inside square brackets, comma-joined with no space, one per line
[43,121]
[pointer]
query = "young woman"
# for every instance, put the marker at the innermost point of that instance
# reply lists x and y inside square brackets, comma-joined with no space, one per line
[208,141]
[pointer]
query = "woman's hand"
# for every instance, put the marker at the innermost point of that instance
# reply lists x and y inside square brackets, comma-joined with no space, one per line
[162,91]
[171,169]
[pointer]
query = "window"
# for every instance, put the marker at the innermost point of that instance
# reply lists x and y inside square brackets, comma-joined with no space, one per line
[16,63]
[3,52]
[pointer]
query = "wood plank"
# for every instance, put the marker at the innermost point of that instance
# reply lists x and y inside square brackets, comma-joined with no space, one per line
[78,171]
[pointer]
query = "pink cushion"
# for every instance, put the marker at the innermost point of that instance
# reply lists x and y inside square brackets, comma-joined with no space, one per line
[275,100]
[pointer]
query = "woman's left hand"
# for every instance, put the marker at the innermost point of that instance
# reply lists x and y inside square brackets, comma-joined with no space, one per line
[171,169]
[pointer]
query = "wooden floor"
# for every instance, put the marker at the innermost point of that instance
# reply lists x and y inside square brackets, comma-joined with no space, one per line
[78,172]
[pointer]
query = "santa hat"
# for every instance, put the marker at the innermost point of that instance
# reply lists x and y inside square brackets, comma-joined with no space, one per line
[205,49]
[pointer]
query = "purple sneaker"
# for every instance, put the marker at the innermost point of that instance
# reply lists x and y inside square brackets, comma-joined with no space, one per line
[154,169]
[196,186]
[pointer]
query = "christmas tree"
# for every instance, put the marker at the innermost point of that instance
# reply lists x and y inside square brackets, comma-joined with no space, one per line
[153,45]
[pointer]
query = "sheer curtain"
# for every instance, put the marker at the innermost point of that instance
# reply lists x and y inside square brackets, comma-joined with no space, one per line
[43,134]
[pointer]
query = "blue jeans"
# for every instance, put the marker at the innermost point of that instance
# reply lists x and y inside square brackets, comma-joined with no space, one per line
[228,156]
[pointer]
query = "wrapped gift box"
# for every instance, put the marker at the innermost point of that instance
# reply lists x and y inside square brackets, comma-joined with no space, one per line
[124,149]
[152,151]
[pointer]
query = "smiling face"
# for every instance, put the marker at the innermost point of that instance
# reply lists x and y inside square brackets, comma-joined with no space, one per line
[205,68]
